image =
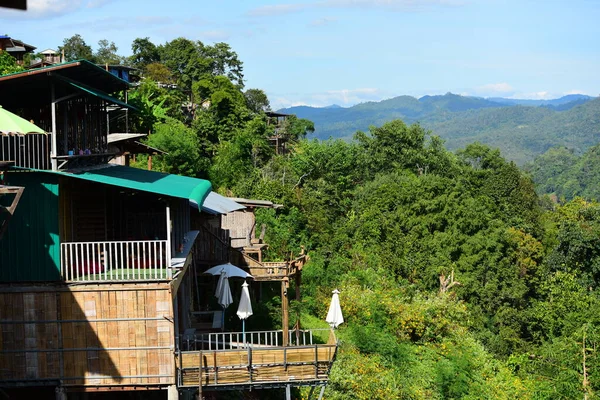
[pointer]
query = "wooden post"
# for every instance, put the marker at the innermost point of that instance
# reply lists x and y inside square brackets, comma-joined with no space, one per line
[149,162]
[298,282]
[200,396]
[288,392]
[285,322]
[53,150]
[168,250]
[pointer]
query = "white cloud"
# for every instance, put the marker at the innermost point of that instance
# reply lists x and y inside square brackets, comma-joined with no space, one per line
[496,88]
[388,5]
[46,9]
[343,97]
[541,95]
[215,35]
[575,91]
[277,9]
[323,21]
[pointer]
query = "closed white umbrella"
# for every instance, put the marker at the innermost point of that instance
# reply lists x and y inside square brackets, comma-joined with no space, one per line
[245,308]
[334,316]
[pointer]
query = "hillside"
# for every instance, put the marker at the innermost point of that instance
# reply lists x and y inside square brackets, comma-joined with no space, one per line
[520,132]
[561,173]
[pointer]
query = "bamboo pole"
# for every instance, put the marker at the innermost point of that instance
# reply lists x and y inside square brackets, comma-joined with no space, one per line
[284,312]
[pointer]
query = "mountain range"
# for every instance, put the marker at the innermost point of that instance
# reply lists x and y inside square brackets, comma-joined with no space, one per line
[520,128]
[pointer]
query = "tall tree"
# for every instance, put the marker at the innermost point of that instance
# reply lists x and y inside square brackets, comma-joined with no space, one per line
[144,53]
[223,61]
[107,53]
[75,48]
[257,101]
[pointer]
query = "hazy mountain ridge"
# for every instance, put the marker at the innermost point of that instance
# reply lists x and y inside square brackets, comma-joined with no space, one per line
[520,131]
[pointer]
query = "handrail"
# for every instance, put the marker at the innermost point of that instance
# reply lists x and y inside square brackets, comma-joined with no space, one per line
[115,261]
[242,340]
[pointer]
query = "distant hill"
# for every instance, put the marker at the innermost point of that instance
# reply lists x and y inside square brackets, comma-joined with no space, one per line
[520,131]
[536,103]
[566,175]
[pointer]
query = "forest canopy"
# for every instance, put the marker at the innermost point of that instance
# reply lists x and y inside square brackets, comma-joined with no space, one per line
[457,280]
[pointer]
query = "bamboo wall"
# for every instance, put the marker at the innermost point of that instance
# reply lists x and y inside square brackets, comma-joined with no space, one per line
[257,366]
[88,335]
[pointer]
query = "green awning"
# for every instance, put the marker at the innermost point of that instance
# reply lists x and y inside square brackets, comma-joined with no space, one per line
[182,187]
[102,95]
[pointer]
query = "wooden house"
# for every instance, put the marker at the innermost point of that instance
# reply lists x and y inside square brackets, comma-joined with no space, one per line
[100,263]
[15,48]
[278,140]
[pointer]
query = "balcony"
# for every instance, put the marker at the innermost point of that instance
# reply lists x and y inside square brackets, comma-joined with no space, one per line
[110,261]
[254,359]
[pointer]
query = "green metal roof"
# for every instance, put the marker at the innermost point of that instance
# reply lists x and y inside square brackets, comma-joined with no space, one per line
[183,187]
[102,95]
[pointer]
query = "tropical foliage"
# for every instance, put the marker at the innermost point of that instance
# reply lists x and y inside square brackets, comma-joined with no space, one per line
[455,282]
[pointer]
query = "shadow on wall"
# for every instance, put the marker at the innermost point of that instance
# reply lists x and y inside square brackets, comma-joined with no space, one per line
[46,338]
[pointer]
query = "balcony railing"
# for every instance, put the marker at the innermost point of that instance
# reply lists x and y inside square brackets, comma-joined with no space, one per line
[226,359]
[115,261]
[239,340]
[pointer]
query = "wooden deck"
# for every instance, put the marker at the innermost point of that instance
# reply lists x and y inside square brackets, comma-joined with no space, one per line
[300,365]
[274,271]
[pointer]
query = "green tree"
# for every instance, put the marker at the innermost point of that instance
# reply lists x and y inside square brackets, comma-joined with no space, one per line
[181,145]
[257,101]
[144,53]
[8,64]
[221,60]
[107,53]
[75,48]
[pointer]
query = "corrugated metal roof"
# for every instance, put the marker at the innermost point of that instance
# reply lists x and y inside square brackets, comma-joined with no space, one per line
[102,95]
[184,187]
[256,203]
[217,204]
[118,137]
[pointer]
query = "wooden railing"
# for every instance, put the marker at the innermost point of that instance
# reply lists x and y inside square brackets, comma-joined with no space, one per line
[115,261]
[241,366]
[256,339]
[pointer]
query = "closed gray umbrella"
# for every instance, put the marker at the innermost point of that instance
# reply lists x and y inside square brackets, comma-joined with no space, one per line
[224,297]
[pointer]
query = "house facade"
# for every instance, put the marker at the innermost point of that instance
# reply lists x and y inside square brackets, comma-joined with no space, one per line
[101,264]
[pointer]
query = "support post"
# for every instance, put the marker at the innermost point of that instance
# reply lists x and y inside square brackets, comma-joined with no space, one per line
[53,150]
[322,391]
[168,251]
[284,312]
[60,393]
[288,392]
[172,393]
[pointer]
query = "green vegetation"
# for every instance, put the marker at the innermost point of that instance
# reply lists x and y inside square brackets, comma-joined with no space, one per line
[455,283]
[8,64]
[561,173]
[520,132]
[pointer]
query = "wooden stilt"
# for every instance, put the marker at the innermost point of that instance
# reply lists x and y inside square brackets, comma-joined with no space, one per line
[285,319]
[322,391]
[288,392]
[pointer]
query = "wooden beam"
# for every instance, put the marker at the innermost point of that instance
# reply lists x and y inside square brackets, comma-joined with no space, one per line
[18,192]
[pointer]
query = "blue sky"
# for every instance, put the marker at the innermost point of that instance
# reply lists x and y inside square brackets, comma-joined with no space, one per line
[321,52]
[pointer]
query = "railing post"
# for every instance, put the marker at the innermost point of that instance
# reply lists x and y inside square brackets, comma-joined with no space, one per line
[250,363]
[316,362]
[168,250]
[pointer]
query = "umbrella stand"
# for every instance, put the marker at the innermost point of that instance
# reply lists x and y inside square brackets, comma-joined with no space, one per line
[244,332]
